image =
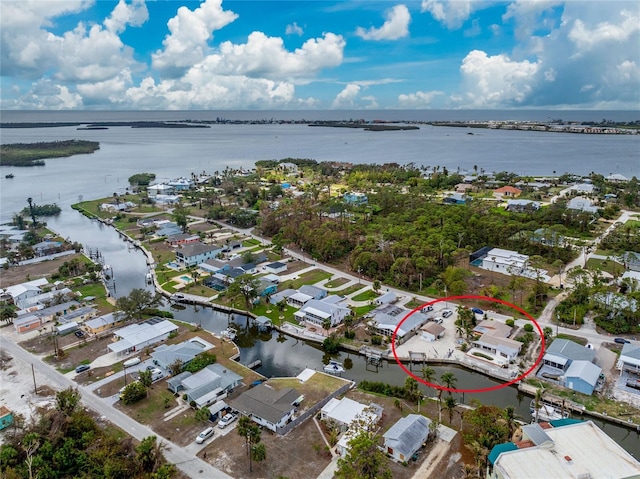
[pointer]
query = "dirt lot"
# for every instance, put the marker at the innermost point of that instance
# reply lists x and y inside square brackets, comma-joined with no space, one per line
[292,456]
[19,274]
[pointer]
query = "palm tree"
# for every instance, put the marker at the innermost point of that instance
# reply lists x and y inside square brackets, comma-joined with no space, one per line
[428,374]
[449,380]
[450,404]
[537,401]
[510,418]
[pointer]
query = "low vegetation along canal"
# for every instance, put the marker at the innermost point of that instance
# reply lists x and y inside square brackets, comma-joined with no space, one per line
[282,355]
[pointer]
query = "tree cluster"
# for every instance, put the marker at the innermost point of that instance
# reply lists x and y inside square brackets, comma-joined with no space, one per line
[68,443]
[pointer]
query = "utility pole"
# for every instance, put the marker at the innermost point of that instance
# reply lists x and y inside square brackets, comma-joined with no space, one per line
[35,387]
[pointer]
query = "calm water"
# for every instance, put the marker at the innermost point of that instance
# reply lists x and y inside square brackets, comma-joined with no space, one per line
[171,152]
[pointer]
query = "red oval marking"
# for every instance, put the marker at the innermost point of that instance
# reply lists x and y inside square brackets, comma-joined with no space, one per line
[482,298]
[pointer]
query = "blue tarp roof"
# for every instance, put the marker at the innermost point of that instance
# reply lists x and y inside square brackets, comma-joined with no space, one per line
[564,422]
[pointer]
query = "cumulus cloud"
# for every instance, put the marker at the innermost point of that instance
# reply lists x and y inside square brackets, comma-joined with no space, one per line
[134,14]
[530,16]
[198,90]
[495,81]
[264,56]
[395,26]
[86,53]
[294,29]
[372,102]
[347,97]
[452,14]
[586,38]
[46,95]
[419,99]
[190,31]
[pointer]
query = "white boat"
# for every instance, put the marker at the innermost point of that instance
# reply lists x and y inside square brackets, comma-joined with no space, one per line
[334,367]
[229,333]
[547,412]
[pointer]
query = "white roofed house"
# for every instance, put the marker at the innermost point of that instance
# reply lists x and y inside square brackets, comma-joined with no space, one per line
[25,290]
[582,204]
[206,386]
[315,313]
[343,412]
[495,340]
[195,253]
[138,336]
[385,324]
[406,436]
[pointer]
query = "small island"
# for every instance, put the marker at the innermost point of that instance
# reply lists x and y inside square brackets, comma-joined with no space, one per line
[34,154]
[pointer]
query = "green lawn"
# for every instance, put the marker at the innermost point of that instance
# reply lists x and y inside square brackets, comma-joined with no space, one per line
[609,266]
[349,290]
[362,310]
[366,295]
[310,277]
[335,282]
[575,339]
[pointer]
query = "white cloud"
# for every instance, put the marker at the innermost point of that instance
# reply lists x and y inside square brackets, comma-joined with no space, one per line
[199,90]
[347,97]
[86,53]
[396,25]
[531,15]
[294,29]
[586,38]
[453,14]
[112,90]
[190,31]
[497,81]
[46,95]
[419,99]
[134,14]
[264,56]
[373,103]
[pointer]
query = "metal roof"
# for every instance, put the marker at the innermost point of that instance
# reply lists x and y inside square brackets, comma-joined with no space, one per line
[407,434]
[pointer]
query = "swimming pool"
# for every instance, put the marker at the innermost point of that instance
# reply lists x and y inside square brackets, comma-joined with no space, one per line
[186,279]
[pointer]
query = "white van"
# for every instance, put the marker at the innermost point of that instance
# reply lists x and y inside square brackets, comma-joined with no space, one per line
[131,362]
[204,435]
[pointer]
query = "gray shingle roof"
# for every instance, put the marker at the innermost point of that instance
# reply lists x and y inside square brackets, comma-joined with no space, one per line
[267,403]
[571,350]
[407,435]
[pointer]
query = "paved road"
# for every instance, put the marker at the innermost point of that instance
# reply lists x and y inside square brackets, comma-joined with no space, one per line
[183,458]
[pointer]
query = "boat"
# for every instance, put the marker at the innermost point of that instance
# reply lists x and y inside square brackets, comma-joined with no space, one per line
[149,277]
[334,367]
[547,412]
[10,175]
[229,333]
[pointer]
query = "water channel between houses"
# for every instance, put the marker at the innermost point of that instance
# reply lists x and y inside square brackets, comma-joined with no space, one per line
[283,355]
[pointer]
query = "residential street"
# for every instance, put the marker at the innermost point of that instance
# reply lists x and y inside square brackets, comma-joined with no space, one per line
[183,458]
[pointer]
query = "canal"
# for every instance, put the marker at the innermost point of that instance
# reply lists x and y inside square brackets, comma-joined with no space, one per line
[282,355]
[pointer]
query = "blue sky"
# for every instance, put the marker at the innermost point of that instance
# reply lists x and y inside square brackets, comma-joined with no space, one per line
[317,54]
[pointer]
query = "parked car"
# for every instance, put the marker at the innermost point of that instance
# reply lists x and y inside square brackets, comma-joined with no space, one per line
[437,320]
[204,435]
[446,313]
[227,419]
[477,310]
[78,333]
[621,341]
[82,367]
[426,309]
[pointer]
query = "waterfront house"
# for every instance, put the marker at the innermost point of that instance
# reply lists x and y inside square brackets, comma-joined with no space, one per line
[276,267]
[167,228]
[315,312]
[103,323]
[136,337]
[282,295]
[385,324]
[616,178]
[495,341]
[298,299]
[268,407]
[195,253]
[583,188]
[160,189]
[207,386]
[165,355]
[629,360]
[46,299]
[406,437]
[432,331]
[567,448]
[45,248]
[570,365]
[342,413]
[507,192]
[181,184]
